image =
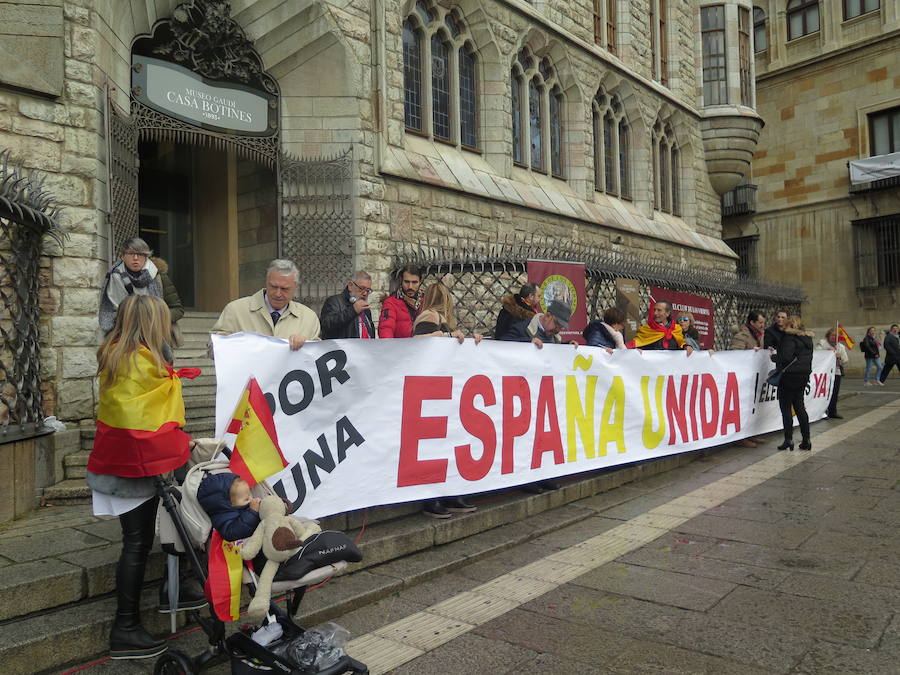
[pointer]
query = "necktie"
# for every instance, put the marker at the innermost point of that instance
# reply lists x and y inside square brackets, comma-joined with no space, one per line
[275,317]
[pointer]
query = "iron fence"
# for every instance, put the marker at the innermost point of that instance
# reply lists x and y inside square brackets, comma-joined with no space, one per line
[479,272]
[26,218]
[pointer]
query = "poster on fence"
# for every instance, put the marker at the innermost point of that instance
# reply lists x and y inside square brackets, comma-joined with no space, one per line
[563,281]
[371,422]
[699,306]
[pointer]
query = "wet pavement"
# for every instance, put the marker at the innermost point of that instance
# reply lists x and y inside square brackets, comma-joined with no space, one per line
[749,561]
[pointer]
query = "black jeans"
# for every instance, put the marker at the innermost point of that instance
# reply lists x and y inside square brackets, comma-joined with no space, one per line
[889,363]
[832,404]
[138,530]
[792,397]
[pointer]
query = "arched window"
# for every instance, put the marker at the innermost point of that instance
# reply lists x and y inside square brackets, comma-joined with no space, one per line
[412,76]
[802,18]
[440,77]
[760,38]
[666,170]
[612,169]
[538,109]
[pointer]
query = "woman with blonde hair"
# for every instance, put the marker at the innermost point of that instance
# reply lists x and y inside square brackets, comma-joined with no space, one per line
[437,319]
[688,330]
[794,361]
[139,436]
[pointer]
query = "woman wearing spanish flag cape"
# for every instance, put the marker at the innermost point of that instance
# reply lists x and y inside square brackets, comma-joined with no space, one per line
[139,436]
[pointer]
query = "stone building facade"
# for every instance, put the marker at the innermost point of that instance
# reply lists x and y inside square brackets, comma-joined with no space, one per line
[828,82]
[610,140]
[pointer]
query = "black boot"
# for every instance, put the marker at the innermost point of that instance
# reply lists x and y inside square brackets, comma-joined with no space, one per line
[190,593]
[805,444]
[128,639]
[435,509]
[787,445]
[458,505]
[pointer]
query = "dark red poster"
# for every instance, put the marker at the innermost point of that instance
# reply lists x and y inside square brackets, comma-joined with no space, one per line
[700,307]
[563,281]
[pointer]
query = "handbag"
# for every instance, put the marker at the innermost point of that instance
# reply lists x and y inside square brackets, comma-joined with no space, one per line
[774,376]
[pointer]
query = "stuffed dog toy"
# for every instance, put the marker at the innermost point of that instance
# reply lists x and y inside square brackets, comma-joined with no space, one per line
[279,537]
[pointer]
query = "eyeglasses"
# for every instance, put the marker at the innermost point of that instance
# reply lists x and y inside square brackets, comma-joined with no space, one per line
[135,253]
[684,318]
[363,290]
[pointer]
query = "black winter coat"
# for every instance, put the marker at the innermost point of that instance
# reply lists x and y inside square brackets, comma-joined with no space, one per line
[892,346]
[869,347]
[232,522]
[338,319]
[794,358]
[518,332]
[514,309]
[596,335]
[772,338]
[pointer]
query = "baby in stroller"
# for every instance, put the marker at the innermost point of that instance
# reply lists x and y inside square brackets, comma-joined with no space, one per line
[213,496]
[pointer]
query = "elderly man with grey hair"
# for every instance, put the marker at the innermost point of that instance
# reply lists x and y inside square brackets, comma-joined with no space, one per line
[272,310]
[347,314]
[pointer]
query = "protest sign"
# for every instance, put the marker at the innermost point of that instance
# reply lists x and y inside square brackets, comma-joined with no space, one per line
[562,281]
[701,307]
[370,422]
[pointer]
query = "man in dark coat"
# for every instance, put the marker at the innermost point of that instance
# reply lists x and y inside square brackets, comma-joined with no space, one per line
[541,328]
[347,314]
[515,307]
[892,352]
[774,333]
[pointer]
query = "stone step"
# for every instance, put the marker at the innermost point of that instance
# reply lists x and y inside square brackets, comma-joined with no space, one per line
[70,491]
[75,465]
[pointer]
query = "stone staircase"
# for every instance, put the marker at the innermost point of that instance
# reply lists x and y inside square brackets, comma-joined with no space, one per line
[199,404]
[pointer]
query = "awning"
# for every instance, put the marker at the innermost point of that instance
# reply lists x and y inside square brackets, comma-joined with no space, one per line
[875,168]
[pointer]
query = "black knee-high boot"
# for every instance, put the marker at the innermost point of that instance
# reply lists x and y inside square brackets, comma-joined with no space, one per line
[128,639]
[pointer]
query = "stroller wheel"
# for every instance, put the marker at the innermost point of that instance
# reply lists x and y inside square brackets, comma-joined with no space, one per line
[174,662]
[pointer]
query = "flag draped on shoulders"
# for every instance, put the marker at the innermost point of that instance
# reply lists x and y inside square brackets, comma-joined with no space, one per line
[255,453]
[139,421]
[843,337]
[651,332]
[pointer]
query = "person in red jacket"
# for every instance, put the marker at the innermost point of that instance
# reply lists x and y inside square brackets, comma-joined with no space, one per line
[400,310]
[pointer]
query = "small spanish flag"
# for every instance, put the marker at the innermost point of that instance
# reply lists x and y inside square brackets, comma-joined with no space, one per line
[223,583]
[255,454]
[843,337]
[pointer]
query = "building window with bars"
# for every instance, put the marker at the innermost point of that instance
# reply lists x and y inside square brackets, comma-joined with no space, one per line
[666,170]
[745,248]
[744,56]
[440,77]
[712,32]
[877,251]
[659,41]
[884,132]
[760,36]
[855,8]
[538,114]
[612,162]
[802,18]
[605,24]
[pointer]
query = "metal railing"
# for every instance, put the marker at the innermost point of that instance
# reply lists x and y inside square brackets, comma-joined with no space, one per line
[740,201]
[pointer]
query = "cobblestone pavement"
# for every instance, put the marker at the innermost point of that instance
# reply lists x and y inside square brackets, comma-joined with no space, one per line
[768,562]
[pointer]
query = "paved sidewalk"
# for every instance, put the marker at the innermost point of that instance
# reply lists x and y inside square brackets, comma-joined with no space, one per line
[749,561]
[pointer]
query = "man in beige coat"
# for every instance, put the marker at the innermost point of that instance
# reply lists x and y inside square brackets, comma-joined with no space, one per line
[272,310]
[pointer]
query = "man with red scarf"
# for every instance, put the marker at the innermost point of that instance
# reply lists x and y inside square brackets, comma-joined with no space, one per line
[660,332]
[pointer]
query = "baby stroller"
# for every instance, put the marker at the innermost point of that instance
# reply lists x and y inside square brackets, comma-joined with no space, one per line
[184,527]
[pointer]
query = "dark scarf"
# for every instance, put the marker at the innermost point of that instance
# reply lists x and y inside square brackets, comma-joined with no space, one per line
[139,279]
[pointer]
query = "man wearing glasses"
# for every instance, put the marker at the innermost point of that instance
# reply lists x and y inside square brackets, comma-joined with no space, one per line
[347,314]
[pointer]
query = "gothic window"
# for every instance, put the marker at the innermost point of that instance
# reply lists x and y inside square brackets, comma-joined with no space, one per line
[712,30]
[744,56]
[538,109]
[605,24]
[412,76]
[440,77]
[659,41]
[612,169]
[802,18]
[760,38]
[666,170]
[854,8]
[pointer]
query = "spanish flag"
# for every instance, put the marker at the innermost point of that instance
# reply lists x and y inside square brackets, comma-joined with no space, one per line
[255,454]
[651,332]
[139,421]
[223,583]
[843,337]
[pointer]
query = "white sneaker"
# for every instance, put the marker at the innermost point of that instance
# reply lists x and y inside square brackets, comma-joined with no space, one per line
[868,384]
[880,383]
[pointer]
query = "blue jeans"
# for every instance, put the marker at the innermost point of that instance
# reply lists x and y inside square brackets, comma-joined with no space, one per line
[869,363]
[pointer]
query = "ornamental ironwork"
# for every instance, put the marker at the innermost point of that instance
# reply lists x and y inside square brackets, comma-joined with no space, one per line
[479,272]
[27,217]
[202,36]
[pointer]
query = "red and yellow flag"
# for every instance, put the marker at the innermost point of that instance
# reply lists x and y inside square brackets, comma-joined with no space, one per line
[223,582]
[843,337]
[255,455]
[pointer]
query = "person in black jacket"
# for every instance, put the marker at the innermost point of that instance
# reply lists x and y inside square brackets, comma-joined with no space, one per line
[227,501]
[515,307]
[892,352]
[871,349]
[347,314]
[794,360]
[774,333]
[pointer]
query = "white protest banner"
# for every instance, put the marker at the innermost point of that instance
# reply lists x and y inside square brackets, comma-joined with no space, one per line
[371,422]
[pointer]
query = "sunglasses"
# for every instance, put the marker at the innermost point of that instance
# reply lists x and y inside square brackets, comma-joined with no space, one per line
[684,318]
